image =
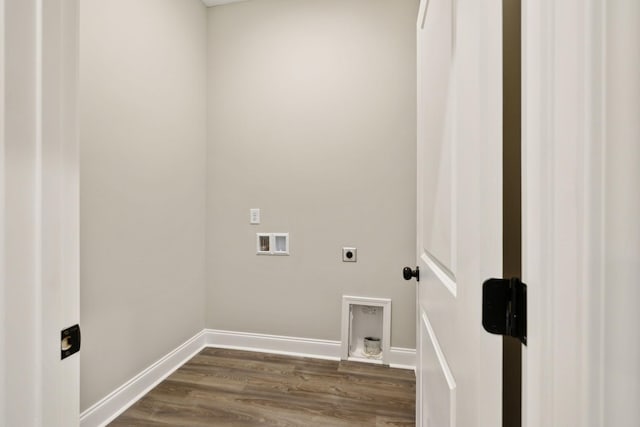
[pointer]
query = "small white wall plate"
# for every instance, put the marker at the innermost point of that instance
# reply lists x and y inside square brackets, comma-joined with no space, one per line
[349,255]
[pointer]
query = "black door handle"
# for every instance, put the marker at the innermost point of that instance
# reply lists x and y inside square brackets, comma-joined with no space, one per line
[408,273]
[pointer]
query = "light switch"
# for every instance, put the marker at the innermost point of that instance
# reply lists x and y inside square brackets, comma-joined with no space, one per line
[254,216]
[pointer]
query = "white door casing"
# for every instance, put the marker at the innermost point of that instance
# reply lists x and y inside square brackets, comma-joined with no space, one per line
[459,241]
[3,420]
[562,212]
[60,208]
[621,294]
[581,85]
[21,312]
[40,212]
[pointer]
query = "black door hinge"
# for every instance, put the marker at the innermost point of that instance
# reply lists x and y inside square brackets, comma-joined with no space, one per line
[504,307]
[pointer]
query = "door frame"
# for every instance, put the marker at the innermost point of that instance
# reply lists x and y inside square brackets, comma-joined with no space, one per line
[562,224]
[561,54]
[39,196]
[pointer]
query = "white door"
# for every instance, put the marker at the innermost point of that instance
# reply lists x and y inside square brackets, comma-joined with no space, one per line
[459,242]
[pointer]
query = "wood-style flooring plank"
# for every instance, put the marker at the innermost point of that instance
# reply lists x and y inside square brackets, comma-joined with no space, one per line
[222,387]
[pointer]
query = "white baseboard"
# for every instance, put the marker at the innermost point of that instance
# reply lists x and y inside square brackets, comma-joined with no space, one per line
[291,346]
[401,358]
[107,409]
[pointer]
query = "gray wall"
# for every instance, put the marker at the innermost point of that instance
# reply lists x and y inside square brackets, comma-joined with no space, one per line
[143,126]
[312,119]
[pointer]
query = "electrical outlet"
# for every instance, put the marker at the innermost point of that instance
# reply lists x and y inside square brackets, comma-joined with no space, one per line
[349,255]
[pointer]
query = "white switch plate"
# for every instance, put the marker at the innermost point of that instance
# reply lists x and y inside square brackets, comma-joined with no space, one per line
[254,216]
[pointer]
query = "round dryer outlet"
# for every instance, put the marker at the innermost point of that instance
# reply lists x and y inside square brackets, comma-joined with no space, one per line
[349,254]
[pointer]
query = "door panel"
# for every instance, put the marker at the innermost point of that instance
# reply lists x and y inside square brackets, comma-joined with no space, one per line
[440,396]
[436,97]
[459,241]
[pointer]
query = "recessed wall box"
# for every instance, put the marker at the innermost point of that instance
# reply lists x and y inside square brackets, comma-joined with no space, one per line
[280,243]
[263,241]
[272,243]
[366,329]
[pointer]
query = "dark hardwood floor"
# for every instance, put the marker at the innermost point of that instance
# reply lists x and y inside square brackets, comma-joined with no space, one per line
[239,388]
